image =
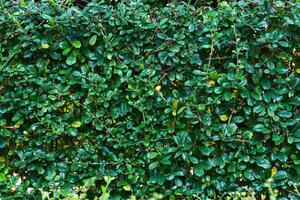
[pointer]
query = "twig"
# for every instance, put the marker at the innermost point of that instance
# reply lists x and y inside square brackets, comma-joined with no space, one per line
[211,53]
[220,58]
[12,55]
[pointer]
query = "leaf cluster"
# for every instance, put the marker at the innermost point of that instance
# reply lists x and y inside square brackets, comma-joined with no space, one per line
[126,100]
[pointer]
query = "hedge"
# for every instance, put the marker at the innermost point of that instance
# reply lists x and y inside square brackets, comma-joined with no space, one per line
[129,99]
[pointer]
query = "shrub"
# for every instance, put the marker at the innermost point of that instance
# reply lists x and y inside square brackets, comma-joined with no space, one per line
[130,100]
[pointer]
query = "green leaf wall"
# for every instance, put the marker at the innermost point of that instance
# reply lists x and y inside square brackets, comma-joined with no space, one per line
[130,99]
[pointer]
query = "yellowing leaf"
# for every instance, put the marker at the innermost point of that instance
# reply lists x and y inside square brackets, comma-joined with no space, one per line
[175,104]
[212,83]
[174,113]
[224,118]
[109,56]
[70,106]
[250,135]
[273,171]
[17,125]
[158,88]
[45,46]
[126,187]
[298,70]
[132,197]
[76,124]
[235,93]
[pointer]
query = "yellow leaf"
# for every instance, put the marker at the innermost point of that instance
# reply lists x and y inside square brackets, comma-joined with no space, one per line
[174,113]
[17,125]
[70,106]
[158,88]
[175,104]
[209,110]
[250,135]
[224,118]
[126,187]
[274,171]
[212,83]
[45,46]
[76,124]
[298,70]
[109,56]
[235,93]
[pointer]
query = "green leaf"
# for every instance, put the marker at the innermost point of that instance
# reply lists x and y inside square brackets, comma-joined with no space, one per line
[283,44]
[206,150]
[2,143]
[227,96]
[198,72]
[71,60]
[104,196]
[230,129]
[40,170]
[175,48]
[196,59]
[199,171]
[285,114]
[163,21]
[261,128]
[194,160]
[264,163]
[76,44]
[153,165]
[152,155]
[77,73]
[92,40]
[123,108]
[280,175]
[2,176]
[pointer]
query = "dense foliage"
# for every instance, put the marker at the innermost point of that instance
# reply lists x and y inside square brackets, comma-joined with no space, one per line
[128,99]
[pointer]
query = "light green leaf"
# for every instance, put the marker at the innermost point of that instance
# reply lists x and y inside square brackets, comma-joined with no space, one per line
[151,155]
[71,60]
[76,44]
[76,124]
[126,187]
[2,176]
[153,165]
[92,40]
[163,21]
[104,196]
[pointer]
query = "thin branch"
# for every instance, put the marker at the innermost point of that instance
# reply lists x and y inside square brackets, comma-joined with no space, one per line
[211,52]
